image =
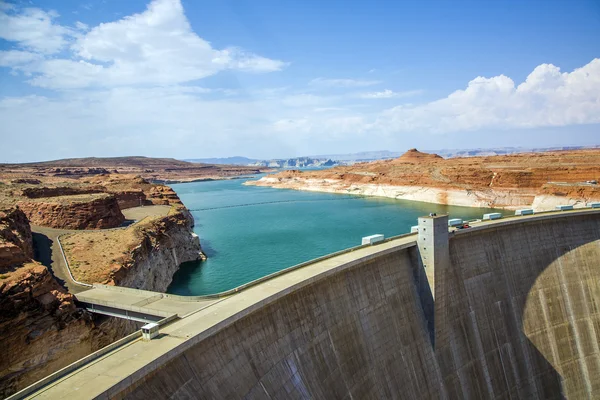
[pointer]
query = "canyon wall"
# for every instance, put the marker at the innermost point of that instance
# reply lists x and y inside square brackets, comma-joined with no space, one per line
[501,181]
[152,264]
[72,212]
[42,331]
[40,327]
[496,197]
[15,238]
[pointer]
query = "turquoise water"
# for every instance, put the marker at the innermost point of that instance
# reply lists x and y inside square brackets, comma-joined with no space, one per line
[248,232]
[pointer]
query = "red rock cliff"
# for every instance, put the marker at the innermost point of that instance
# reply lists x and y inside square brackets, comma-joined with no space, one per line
[75,212]
[15,238]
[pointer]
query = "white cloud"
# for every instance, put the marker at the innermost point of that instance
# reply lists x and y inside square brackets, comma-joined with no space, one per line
[12,58]
[547,98]
[81,26]
[157,46]
[129,86]
[33,29]
[388,94]
[343,83]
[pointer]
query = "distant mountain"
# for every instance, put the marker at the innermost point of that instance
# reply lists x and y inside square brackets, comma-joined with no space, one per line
[227,160]
[497,151]
[299,162]
[361,156]
[132,161]
[331,160]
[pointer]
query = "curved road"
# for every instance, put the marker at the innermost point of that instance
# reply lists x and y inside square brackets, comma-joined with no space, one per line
[47,250]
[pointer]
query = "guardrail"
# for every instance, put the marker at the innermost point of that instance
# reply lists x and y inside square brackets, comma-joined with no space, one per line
[256,281]
[516,219]
[82,361]
[67,263]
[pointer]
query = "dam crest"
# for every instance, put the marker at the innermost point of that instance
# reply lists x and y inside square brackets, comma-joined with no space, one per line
[506,309]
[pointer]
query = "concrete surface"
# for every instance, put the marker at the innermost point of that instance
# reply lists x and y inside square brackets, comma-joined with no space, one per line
[142,301]
[516,315]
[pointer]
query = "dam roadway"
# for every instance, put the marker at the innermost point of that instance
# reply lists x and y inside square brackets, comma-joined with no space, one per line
[516,315]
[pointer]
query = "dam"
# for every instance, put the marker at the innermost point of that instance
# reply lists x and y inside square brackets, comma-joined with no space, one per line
[508,308]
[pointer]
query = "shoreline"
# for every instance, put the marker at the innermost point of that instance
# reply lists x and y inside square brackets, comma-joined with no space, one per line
[510,200]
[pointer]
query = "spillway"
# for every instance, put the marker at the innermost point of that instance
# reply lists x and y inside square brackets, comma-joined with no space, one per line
[514,313]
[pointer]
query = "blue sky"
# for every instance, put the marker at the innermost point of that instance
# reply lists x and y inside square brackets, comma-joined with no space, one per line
[270,78]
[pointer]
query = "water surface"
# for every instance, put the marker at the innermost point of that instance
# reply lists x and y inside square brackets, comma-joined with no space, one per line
[248,232]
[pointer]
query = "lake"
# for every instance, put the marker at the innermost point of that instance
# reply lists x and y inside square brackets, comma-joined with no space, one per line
[248,232]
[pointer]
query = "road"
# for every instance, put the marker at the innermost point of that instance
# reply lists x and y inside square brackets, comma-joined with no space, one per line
[47,250]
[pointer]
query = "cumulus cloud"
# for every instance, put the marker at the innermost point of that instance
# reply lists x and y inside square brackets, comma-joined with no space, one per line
[343,83]
[13,58]
[130,86]
[547,98]
[33,29]
[157,46]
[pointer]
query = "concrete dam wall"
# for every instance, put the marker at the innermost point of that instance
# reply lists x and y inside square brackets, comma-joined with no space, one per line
[516,315]
[357,334]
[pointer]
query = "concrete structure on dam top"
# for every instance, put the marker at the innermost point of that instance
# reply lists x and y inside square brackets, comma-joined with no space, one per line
[512,312]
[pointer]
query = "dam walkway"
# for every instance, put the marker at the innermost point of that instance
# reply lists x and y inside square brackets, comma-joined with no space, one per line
[138,305]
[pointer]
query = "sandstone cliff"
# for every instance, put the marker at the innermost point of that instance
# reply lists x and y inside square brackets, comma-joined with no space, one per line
[15,238]
[39,324]
[92,211]
[496,181]
[143,256]
[166,244]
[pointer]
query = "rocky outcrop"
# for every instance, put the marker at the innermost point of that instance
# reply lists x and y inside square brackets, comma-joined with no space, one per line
[131,198]
[75,212]
[414,155]
[28,181]
[78,171]
[165,244]
[42,330]
[40,326]
[39,322]
[39,192]
[15,238]
[163,195]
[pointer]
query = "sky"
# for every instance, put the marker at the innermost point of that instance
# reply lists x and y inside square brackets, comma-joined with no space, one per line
[277,79]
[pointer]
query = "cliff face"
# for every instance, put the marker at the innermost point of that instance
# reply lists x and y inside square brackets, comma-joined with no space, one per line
[15,238]
[39,192]
[74,212]
[130,198]
[167,244]
[39,324]
[499,181]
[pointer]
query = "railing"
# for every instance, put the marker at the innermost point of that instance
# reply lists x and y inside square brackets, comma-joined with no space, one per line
[67,264]
[82,361]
